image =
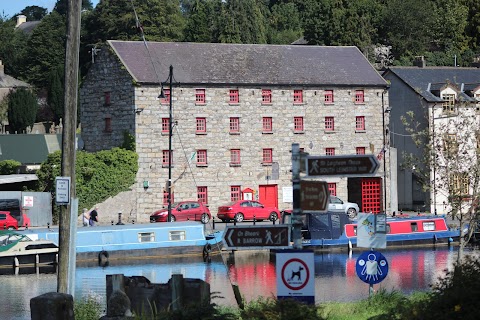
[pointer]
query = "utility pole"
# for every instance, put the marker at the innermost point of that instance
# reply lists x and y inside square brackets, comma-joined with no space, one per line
[297,221]
[68,139]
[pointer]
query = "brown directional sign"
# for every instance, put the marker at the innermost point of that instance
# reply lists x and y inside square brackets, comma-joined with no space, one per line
[313,195]
[264,236]
[349,165]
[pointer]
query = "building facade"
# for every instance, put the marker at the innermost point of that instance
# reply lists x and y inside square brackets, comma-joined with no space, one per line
[237,109]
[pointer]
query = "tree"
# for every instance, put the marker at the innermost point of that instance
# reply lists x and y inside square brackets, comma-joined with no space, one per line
[9,166]
[34,13]
[62,5]
[56,93]
[203,21]
[284,24]
[13,49]
[472,29]
[22,110]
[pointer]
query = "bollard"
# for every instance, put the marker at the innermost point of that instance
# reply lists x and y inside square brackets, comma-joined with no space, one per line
[52,305]
[213,223]
[133,221]
[254,220]
[48,225]
[234,221]
[112,222]
[119,223]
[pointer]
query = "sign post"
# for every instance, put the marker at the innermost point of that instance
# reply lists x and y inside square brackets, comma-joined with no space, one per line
[253,237]
[371,268]
[296,275]
[314,195]
[62,191]
[349,165]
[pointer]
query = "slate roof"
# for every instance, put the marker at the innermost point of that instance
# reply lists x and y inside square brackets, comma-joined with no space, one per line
[434,78]
[247,64]
[7,81]
[28,26]
[28,148]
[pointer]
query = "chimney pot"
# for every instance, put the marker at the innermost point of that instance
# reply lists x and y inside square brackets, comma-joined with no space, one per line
[420,62]
[2,69]
[21,19]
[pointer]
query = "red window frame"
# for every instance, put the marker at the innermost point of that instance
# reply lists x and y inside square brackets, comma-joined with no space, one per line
[360,123]
[234,124]
[202,157]
[108,124]
[267,155]
[165,125]
[266,96]
[328,96]
[298,124]
[267,124]
[200,96]
[359,96]
[202,194]
[234,96]
[329,151]
[107,98]
[360,150]
[166,100]
[329,124]
[165,198]
[235,156]
[235,193]
[165,157]
[201,125]
[332,188]
[297,96]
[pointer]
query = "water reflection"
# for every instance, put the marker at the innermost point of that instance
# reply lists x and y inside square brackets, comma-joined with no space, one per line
[254,272]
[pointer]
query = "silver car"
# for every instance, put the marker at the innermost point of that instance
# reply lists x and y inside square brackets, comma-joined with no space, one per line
[337,204]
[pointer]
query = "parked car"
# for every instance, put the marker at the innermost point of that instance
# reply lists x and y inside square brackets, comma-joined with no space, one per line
[7,221]
[337,204]
[183,211]
[246,210]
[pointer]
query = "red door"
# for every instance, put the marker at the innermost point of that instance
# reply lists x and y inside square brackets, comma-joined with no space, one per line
[371,195]
[268,195]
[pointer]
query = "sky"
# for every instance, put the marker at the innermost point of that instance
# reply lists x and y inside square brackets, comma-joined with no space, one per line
[11,7]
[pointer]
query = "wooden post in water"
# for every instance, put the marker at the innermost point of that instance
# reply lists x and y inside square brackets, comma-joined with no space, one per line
[176,286]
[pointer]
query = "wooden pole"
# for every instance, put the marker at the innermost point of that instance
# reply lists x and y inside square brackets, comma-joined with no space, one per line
[68,137]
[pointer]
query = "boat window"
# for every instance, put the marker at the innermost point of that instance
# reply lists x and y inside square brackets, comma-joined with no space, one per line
[177,235]
[146,237]
[429,226]
[355,230]
[414,226]
[388,228]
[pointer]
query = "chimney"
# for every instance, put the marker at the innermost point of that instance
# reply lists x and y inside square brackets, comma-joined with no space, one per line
[21,19]
[2,69]
[476,62]
[420,62]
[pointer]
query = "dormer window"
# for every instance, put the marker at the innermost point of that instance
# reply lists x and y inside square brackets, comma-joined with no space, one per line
[448,102]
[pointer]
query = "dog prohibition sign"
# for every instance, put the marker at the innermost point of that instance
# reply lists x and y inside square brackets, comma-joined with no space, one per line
[295,274]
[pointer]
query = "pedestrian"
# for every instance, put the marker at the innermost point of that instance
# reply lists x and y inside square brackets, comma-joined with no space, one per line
[93,217]
[86,217]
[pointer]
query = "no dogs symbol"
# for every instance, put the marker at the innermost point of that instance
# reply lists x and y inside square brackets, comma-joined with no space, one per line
[295,274]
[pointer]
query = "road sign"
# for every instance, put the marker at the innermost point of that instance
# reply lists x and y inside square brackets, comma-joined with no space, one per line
[62,190]
[349,165]
[371,267]
[257,236]
[313,195]
[295,275]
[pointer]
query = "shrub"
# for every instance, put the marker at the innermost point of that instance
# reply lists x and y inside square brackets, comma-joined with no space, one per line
[9,166]
[273,309]
[88,308]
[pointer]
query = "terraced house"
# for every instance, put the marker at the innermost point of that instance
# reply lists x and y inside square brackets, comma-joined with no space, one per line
[237,109]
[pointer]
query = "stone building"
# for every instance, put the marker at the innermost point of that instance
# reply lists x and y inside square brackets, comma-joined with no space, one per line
[237,109]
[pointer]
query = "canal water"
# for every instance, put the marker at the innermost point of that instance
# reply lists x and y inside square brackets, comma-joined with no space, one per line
[254,272]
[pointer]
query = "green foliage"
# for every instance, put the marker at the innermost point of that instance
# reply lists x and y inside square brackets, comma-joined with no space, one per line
[285,24]
[56,88]
[34,13]
[128,141]
[13,49]
[203,21]
[9,166]
[87,309]
[98,175]
[22,109]
[273,309]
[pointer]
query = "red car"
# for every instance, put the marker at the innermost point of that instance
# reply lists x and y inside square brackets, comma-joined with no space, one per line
[246,210]
[10,223]
[183,211]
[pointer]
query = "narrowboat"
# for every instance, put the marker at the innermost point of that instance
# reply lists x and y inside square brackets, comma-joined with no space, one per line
[138,241]
[19,250]
[336,230]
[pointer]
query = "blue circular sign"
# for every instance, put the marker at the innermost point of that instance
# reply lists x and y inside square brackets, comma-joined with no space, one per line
[371,267]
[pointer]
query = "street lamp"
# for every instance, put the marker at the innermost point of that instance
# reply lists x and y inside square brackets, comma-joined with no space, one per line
[170,127]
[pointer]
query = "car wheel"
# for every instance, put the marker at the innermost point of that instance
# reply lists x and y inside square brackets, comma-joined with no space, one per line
[273,216]
[11,228]
[172,218]
[239,217]
[205,218]
[352,213]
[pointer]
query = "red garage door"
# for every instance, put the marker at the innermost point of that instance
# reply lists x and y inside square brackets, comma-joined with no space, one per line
[371,195]
[268,195]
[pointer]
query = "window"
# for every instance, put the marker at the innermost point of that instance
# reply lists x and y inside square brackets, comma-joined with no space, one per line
[329,124]
[165,125]
[202,194]
[201,125]
[201,157]
[359,97]
[176,235]
[200,96]
[166,100]
[428,226]
[266,96]
[449,103]
[360,123]
[297,96]
[108,124]
[107,98]
[267,124]
[165,198]
[332,188]
[234,125]
[235,157]
[298,124]
[234,193]
[459,184]
[329,151]
[267,155]
[328,97]
[234,97]
[413,226]
[165,157]
[450,145]
[360,150]
[146,236]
